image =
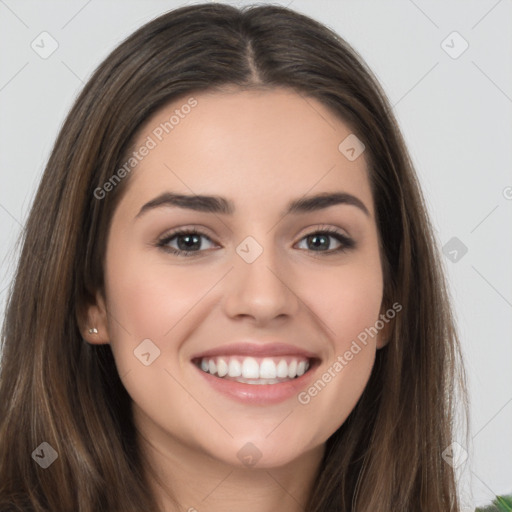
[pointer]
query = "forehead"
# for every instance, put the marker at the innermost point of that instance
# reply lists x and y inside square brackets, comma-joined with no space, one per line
[266,144]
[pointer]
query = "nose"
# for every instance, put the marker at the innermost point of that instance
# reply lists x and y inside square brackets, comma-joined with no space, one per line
[262,290]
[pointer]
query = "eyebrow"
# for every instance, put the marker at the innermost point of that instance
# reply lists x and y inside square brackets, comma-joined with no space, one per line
[221,205]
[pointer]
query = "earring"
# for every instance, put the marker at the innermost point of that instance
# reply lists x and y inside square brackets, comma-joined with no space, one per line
[93,330]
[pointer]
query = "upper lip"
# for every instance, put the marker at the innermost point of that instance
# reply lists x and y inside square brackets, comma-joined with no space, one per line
[256,350]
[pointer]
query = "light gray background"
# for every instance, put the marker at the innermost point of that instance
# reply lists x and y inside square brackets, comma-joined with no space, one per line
[455,115]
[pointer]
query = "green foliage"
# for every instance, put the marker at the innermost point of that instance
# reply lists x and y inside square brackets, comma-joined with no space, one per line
[500,504]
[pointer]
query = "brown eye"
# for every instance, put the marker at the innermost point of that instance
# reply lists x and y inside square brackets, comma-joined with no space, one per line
[321,241]
[188,242]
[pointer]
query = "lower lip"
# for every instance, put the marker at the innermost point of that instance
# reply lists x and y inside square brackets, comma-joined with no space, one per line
[258,394]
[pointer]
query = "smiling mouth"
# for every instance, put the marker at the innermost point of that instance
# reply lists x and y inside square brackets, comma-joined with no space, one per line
[255,370]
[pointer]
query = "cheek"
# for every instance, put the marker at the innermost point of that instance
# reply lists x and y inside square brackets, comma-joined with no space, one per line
[147,299]
[150,301]
[347,299]
[348,303]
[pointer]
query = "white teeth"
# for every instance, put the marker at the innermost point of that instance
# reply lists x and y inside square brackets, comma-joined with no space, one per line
[268,369]
[222,367]
[282,369]
[250,368]
[235,368]
[292,369]
[301,368]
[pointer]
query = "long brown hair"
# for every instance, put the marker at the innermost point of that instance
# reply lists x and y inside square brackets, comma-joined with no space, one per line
[57,388]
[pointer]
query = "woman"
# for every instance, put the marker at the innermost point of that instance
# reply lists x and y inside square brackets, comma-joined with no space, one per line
[238,369]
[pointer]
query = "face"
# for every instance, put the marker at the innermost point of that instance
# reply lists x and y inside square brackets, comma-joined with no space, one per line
[237,323]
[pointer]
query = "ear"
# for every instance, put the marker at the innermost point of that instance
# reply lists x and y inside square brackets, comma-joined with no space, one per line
[94,316]
[384,334]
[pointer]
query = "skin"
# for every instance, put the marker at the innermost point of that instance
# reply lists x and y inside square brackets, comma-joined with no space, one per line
[260,149]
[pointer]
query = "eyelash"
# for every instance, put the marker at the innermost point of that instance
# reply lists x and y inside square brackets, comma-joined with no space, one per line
[346,242]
